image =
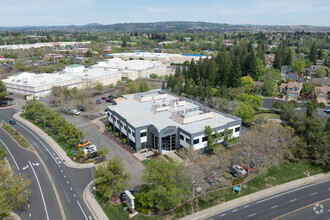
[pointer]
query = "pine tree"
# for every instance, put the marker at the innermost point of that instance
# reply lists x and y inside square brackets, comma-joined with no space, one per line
[261,52]
[288,58]
[313,53]
[192,69]
[224,68]
[279,57]
[212,72]
[235,74]
[319,54]
[250,65]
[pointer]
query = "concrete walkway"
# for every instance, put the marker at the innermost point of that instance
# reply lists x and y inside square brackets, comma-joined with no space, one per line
[92,204]
[256,196]
[60,152]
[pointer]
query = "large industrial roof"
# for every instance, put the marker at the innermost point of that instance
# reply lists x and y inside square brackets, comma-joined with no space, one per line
[140,114]
[118,63]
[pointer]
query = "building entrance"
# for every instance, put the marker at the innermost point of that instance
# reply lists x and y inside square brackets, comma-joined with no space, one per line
[168,142]
[154,141]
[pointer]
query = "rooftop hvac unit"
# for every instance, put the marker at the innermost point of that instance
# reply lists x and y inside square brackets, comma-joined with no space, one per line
[18,80]
[85,70]
[25,82]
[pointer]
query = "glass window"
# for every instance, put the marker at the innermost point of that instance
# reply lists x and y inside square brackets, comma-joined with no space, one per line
[125,127]
[143,134]
[129,130]
[133,133]
[204,138]
[196,141]
[181,137]
[188,140]
[237,129]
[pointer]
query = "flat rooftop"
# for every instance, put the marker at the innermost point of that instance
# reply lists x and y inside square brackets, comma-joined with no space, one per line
[118,63]
[154,55]
[141,114]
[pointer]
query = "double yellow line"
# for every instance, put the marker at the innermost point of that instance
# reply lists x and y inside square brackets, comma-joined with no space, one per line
[300,209]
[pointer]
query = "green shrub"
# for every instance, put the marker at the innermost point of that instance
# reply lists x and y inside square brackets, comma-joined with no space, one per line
[228,176]
[142,210]
[117,134]
[2,154]
[124,141]
[238,181]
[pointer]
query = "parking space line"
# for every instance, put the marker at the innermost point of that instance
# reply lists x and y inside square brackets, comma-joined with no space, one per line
[293,200]
[313,193]
[275,206]
[252,215]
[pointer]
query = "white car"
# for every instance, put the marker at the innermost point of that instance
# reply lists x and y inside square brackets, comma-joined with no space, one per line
[89,149]
[239,169]
[74,111]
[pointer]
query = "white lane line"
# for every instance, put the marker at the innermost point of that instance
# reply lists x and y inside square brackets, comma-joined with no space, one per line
[20,173]
[82,210]
[313,193]
[10,154]
[28,206]
[234,210]
[252,215]
[42,195]
[62,171]
[281,194]
[222,215]
[293,200]
[70,188]
[246,206]
[38,140]
[74,195]
[64,176]
[67,182]
[30,215]
[275,206]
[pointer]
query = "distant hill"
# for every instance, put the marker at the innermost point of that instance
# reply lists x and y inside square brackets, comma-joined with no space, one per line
[173,26]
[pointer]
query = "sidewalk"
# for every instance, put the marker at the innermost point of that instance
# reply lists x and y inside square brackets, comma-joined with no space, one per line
[92,204]
[60,152]
[256,196]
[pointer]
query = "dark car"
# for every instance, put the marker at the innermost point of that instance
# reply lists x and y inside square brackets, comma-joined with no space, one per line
[94,154]
[108,100]
[113,102]
[80,108]
[111,96]
[97,93]
[233,172]
[11,121]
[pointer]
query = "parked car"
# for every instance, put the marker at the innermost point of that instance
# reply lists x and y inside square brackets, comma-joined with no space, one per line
[97,93]
[83,143]
[94,154]
[108,100]
[99,101]
[247,167]
[80,108]
[74,111]
[111,96]
[104,98]
[12,121]
[239,169]
[233,172]
[113,102]
[104,112]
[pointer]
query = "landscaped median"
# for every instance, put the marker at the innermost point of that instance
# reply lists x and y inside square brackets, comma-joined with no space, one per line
[16,135]
[275,175]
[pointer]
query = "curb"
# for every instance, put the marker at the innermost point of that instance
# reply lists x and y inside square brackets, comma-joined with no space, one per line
[206,213]
[60,152]
[15,216]
[92,204]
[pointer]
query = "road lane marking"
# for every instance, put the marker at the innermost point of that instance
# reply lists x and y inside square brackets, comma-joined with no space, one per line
[293,200]
[300,209]
[246,206]
[281,194]
[313,193]
[82,210]
[71,188]
[30,215]
[38,140]
[42,195]
[28,206]
[234,210]
[10,154]
[64,176]
[67,182]
[252,215]
[222,215]
[74,195]
[62,171]
[275,206]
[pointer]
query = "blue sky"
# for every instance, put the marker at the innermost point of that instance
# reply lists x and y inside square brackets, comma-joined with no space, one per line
[80,12]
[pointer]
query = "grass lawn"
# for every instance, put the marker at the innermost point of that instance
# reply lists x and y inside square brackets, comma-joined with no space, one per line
[275,175]
[270,115]
[145,162]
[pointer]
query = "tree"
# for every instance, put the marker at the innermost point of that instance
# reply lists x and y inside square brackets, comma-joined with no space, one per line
[260,70]
[308,89]
[313,53]
[13,190]
[124,44]
[3,90]
[321,72]
[250,66]
[99,87]
[271,79]
[247,82]
[235,74]
[319,54]
[57,94]
[213,139]
[89,53]
[254,101]
[110,178]
[288,58]
[224,68]
[245,112]
[167,184]
[153,76]
[298,65]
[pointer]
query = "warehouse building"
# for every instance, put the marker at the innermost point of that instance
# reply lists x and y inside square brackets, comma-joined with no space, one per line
[165,122]
[108,72]
[162,57]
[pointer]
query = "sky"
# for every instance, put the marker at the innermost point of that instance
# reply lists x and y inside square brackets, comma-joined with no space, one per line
[81,12]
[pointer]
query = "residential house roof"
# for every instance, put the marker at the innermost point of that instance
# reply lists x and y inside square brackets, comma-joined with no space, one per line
[322,90]
[294,84]
[293,76]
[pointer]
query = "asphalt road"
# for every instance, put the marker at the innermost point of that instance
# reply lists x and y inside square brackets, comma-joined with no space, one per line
[293,204]
[42,203]
[70,183]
